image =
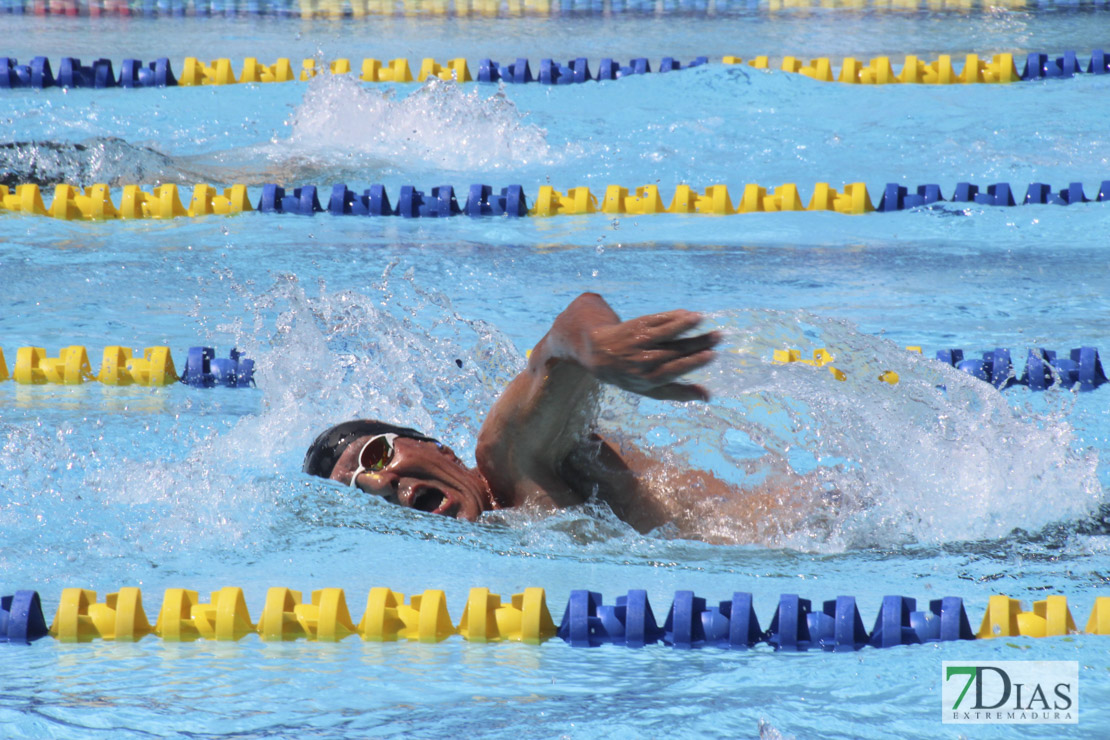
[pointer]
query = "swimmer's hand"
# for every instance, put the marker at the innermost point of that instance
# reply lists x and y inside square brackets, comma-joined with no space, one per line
[547,411]
[645,355]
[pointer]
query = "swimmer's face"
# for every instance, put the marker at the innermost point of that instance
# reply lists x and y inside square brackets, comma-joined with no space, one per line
[420,475]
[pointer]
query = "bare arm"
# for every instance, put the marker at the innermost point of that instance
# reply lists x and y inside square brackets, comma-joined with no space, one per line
[545,412]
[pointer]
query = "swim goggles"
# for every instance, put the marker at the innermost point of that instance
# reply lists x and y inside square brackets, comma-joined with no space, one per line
[374,455]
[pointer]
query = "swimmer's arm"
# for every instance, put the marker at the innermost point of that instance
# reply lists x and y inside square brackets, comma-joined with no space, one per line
[547,410]
[646,493]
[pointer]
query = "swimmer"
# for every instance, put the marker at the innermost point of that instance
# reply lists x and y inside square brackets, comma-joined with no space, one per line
[537,448]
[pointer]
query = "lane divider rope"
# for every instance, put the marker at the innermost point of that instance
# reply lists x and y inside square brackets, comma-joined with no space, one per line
[1081,367]
[153,367]
[95,202]
[159,73]
[691,622]
[1001,68]
[341,9]
[100,74]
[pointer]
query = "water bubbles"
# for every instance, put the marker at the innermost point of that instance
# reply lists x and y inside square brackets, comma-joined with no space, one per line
[438,125]
[939,457]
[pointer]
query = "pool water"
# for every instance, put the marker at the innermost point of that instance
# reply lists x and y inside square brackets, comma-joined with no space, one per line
[948,487]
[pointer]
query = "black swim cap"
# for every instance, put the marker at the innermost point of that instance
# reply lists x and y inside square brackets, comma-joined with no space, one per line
[326,449]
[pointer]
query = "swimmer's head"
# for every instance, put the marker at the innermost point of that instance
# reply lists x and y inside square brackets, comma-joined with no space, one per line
[329,445]
[401,465]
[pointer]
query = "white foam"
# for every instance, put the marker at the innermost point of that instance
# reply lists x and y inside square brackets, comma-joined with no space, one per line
[909,463]
[437,126]
[939,457]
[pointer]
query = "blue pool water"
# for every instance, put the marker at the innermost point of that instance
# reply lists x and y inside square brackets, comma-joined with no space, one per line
[962,491]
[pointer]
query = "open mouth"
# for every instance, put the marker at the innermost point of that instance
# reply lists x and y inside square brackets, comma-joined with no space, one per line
[431,500]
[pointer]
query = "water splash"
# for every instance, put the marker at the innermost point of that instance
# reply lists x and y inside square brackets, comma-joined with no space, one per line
[939,457]
[393,351]
[342,130]
[884,465]
[437,127]
[201,478]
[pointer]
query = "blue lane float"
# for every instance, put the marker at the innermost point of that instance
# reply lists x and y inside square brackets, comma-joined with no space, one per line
[900,623]
[685,627]
[838,627]
[71,73]
[576,71]
[795,627]
[21,618]
[998,194]
[374,201]
[1044,369]
[518,72]
[158,73]
[36,75]
[1039,193]
[1042,66]
[789,630]
[302,200]
[898,197]
[482,201]
[439,202]
[98,75]
[692,623]
[204,370]
[588,622]
[995,367]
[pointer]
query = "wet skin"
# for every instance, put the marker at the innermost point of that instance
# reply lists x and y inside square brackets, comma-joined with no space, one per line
[536,448]
[421,475]
[527,449]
